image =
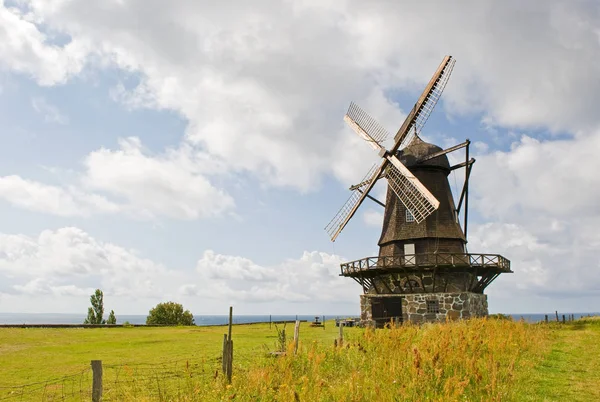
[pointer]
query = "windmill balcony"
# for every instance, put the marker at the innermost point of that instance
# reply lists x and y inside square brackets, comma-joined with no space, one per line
[426,261]
[409,273]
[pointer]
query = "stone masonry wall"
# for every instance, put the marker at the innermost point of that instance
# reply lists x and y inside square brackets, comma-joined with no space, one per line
[451,306]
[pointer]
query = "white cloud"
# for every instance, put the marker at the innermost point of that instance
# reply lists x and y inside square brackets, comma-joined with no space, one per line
[172,184]
[24,48]
[542,267]
[61,201]
[64,266]
[540,203]
[217,266]
[50,112]
[70,262]
[314,277]
[551,177]
[264,87]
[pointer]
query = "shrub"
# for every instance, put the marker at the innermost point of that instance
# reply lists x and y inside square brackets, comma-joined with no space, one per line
[170,313]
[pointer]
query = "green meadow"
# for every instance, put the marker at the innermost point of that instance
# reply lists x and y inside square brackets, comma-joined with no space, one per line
[475,360]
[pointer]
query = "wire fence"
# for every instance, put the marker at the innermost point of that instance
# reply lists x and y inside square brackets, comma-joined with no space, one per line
[186,378]
[179,379]
[74,387]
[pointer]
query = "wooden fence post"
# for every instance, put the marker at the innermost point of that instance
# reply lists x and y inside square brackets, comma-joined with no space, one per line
[564,319]
[230,362]
[225,349]
[282,340]
[96,380]
[296,336]
[269,321]
[546,318]
[230,321]
[341,335]
[556,312]
[228,349]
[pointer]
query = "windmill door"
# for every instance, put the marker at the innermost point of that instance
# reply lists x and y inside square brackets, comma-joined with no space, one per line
[386,309]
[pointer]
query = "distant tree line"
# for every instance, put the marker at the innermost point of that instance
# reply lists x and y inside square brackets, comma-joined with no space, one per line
[169,313]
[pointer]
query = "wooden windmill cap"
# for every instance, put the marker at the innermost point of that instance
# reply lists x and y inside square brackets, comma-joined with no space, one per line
[418,149]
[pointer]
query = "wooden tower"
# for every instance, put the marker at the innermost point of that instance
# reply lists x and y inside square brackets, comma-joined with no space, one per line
[423,271]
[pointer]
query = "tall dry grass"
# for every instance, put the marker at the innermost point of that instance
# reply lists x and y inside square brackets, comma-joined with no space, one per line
[475,360]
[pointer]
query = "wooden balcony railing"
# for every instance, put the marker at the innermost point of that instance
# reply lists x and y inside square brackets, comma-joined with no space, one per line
[428,260]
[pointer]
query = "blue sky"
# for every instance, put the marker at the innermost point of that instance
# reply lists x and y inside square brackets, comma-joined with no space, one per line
[195,153]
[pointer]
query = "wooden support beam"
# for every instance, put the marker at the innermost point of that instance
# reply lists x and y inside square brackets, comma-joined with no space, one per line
[364,183]
[467,174]
[444,152]
[463,164]
[373,199]
[464,189]
[385,283]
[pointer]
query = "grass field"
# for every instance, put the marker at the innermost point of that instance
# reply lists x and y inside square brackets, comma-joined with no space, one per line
[470,360]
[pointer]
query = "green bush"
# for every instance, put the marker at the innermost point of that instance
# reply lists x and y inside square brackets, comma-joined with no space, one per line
[169,313]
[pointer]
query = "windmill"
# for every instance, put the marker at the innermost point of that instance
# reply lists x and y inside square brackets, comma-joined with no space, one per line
[423,272]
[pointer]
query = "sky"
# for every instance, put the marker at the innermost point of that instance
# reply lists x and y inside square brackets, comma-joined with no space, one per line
[194,151]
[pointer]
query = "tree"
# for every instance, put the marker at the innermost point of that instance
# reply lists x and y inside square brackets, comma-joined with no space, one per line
[170,313]
[112,320]
[96,312]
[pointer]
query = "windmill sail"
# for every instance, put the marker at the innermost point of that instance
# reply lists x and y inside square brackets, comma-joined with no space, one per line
[419,114]
[339,221]
[410,191]
[366,126]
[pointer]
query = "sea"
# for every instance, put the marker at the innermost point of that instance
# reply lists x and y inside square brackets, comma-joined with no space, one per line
[204,320]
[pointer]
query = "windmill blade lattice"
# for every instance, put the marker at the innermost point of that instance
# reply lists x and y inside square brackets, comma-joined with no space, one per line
[427,107]
[409,193]
[367,123]
[335,226]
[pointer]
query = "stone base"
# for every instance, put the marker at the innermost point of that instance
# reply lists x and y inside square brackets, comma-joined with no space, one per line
[424,307]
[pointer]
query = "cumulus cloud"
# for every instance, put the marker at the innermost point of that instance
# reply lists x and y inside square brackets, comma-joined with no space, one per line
[538,202]
[314,277]
[263,87]
[58,265]
[61,201]
[541,267]
[67,264]
[25,49]
[172,184]
[271,77]
[128,180]
[553,177]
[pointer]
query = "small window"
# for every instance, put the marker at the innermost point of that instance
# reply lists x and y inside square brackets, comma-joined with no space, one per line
[409,216]
[433,306]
